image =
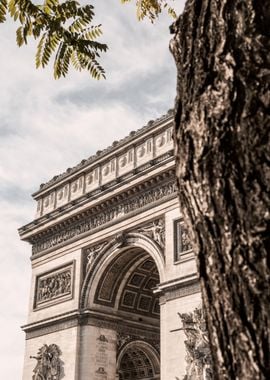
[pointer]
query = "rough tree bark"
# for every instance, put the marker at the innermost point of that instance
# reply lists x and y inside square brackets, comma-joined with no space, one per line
[221,49]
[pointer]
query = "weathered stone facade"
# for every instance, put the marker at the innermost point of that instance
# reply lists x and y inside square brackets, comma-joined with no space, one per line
[112,266]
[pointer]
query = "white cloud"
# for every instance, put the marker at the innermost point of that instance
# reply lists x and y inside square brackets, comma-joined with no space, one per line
[47,126]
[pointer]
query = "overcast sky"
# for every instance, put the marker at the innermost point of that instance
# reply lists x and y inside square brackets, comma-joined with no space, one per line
[47,126]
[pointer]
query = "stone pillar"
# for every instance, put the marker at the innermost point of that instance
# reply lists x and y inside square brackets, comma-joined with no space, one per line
[98,353]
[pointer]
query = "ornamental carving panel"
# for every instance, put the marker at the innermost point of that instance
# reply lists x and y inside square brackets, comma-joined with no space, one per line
[126,162]
[49,366]
[55,286]
[198,356]
[49,203]
[163,142]
[76,188]
[92,180]
[155,230]
[144,152]
[62,195]
[108,171]
[91,222]
[183,244]
[92,253]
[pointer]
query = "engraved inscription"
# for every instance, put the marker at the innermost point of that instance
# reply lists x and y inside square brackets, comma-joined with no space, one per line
[101,358]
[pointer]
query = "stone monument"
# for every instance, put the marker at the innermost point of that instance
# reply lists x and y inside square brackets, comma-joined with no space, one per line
[112,266]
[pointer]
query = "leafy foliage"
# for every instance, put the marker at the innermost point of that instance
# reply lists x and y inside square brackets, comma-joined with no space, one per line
[3,10]
[64,29]
[152,8]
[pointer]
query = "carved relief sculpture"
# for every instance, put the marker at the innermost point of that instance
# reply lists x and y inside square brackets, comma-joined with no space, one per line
[156,231]
[48,365]
[132,204]
[54,285]
[198,356]
[93,252]
[183,244]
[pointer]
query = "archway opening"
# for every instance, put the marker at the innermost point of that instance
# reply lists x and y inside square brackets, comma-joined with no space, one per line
[138,362]
[125,291]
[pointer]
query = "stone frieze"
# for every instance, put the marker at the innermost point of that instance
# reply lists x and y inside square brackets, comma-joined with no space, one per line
[54,286]
[96,219]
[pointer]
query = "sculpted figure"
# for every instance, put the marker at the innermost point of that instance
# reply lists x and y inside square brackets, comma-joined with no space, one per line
[198,357]
[48,365]
[156,230]
[93,252]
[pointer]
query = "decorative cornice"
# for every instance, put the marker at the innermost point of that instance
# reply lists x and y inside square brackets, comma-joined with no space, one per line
[94,195]
[117,208]
[115,164]
[178,288]
[129,327]
[75,319]
[102,153]
[52,324]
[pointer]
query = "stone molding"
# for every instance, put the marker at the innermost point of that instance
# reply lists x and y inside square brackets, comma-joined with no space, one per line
[124,339]
[179,290]
[123,327]
[69,320]
[50,325]
[117,208]
[101,170]
[94,195]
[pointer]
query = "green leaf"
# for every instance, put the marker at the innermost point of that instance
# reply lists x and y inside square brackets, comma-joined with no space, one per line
[40,49]
[63,28]
[3,10]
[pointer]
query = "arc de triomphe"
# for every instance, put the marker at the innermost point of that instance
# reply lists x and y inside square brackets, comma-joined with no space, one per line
[112,267]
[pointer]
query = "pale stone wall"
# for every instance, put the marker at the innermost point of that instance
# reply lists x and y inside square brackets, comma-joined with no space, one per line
[58,306]
[173,364]
[67,341]
[97,353]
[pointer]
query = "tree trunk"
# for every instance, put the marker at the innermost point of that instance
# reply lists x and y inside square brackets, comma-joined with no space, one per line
[221,49]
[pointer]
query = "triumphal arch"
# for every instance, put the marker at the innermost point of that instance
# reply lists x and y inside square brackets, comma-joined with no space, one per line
[114,280]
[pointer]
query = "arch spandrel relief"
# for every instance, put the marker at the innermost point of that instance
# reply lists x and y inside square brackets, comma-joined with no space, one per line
[130,203]
[102,255]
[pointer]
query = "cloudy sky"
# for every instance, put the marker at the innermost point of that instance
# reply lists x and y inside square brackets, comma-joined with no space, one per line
[47,126]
